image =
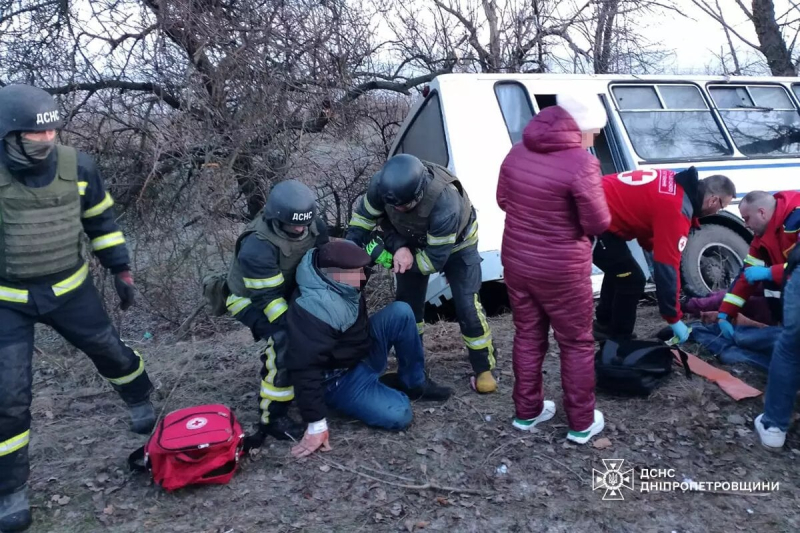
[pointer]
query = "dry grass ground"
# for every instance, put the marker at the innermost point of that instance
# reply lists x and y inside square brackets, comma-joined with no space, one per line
[375,481]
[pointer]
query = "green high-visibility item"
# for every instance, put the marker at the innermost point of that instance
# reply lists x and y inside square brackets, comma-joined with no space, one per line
[379,254]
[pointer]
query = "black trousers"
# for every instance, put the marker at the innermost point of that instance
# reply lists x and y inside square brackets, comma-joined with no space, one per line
[463,272]
[276,391]
[79,317]
[623,284]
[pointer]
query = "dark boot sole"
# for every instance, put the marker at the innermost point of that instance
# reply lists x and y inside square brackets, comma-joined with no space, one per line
[22,526]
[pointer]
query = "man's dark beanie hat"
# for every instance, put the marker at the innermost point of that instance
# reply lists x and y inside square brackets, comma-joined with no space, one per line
[342,254]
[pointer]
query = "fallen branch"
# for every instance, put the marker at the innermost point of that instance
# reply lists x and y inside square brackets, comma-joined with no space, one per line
[502,447]
[556,461]
[407,486]
[191,359]
[387,473]
[187,324]
[483,418]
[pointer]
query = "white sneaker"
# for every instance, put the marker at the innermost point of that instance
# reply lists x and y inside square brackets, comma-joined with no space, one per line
[582,437]
[548,412]
[772,438]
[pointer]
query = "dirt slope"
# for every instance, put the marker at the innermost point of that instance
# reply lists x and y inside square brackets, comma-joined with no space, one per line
[530,482]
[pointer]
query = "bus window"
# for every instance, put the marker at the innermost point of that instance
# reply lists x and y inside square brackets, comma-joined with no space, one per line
[761,119]
[669,122]
[425,136]
[515,106]
[796,89]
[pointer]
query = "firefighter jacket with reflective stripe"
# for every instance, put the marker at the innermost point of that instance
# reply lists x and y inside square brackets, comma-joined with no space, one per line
[42,217]
[263,267]
[658,210]
[771,249]
[443,222]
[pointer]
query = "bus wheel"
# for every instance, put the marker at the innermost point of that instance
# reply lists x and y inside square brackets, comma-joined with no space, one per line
[712,258]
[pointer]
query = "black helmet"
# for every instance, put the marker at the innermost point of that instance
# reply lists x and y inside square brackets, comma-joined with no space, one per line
[27,108]
[291,203]
[402,180]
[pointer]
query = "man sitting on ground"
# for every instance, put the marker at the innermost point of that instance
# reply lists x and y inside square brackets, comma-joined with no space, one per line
[337,353]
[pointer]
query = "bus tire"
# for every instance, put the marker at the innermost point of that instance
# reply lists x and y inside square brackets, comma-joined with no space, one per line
[711,260]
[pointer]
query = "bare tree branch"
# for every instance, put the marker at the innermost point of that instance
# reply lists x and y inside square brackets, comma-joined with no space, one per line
[472,30]
[737,68]
[716,16]
[157,90]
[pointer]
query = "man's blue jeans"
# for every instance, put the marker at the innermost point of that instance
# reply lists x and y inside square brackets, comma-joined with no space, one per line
[359,394]
[784,369]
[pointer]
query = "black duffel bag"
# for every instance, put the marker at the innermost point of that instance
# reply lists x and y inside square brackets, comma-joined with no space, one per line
[635,368]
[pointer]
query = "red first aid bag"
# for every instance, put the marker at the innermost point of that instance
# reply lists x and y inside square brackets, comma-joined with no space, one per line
[193,446]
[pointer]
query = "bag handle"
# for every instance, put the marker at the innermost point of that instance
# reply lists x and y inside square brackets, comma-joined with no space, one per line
[684,360]
[637,355]
[136,460]
[610,349]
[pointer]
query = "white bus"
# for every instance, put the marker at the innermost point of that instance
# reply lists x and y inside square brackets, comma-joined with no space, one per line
[743,127]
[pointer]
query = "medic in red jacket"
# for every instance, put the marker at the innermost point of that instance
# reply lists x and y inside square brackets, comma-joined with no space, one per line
[775,221]
[658,208]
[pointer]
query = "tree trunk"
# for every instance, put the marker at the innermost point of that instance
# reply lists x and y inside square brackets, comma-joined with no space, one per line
[490,8]
[770,40]
[603,35]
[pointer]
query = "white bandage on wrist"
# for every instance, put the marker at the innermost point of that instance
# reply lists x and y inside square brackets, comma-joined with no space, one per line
[317,427]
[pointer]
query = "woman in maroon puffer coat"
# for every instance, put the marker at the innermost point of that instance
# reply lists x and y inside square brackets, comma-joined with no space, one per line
[550,188]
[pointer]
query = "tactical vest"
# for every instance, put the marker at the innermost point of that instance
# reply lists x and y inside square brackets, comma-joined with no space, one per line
[291,253]
[414,224]
[40,228]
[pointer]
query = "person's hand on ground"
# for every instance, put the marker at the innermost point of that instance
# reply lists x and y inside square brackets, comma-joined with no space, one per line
[315,438]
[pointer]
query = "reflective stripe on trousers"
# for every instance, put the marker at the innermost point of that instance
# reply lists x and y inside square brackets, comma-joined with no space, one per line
[10,294]
[15,443]
[124,380]
[484,341]
[269,392]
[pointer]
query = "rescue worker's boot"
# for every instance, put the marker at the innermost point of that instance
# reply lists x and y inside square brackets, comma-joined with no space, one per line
[484,383]
[283,428]
[601,331]
[15,511]
[143,417]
